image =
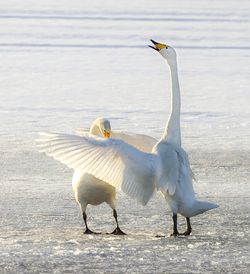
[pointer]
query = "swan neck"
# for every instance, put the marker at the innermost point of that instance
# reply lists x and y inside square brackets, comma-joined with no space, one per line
[173,132]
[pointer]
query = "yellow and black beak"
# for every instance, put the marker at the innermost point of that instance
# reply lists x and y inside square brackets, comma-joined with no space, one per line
[158,46]
[106,134]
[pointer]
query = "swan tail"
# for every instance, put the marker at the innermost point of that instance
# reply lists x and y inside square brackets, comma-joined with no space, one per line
[200,207]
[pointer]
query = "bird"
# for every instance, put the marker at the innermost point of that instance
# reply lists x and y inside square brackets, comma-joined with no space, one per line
[138,173]
[90,190]
[178,191]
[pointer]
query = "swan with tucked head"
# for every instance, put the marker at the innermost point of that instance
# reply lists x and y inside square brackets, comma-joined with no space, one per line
[90,190]
[137,173]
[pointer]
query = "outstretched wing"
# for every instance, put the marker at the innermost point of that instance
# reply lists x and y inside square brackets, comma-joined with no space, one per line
[113,161]
[140,141]
[82,131]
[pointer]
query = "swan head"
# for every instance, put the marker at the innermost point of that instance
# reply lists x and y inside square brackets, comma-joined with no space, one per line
[167,52]
[103,126]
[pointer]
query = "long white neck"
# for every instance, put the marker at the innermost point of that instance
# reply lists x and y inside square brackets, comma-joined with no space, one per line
[172,132]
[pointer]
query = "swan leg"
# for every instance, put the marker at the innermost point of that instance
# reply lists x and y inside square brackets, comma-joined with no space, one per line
[117,231]
[189,228]
[87,231]
[175,231]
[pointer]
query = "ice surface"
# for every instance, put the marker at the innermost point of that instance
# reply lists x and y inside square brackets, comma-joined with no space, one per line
[64,63]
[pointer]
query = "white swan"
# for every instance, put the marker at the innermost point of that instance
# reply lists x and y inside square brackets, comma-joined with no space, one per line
[90,190]
[137,173]
[178,191]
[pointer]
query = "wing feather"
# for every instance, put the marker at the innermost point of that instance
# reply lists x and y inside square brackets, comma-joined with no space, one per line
[113,161]
[140,141]
[81,131]
[177,168]
[170,168]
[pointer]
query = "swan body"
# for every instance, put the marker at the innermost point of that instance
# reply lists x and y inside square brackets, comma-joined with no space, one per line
[180,196]
[90,190]
[139,174]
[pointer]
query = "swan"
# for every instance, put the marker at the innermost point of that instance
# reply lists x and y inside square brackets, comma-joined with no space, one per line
[90,190]
[139,174]
[178,191]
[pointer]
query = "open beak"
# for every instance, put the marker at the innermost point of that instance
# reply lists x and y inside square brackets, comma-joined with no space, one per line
[106,134]
[157,46]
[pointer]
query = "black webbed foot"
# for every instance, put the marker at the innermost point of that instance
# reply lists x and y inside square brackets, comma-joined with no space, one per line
[88,231]
[118,231]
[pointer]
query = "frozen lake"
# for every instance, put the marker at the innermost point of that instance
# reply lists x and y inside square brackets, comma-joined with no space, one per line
[65,63]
